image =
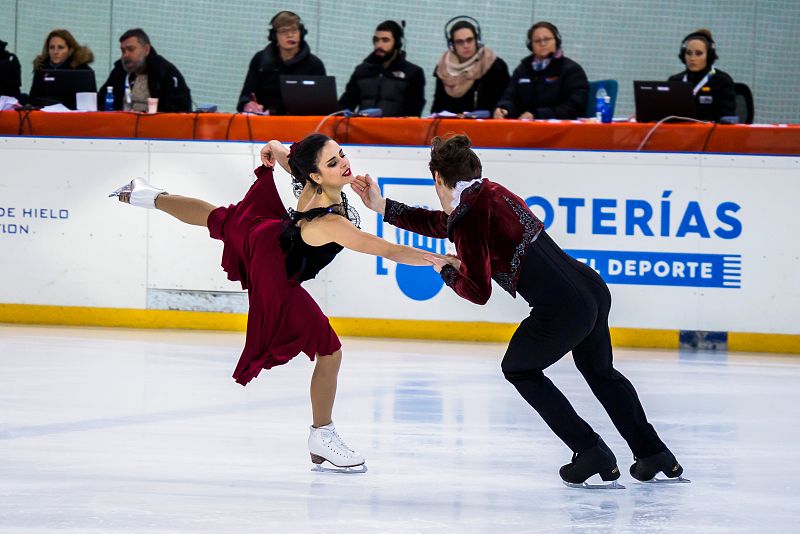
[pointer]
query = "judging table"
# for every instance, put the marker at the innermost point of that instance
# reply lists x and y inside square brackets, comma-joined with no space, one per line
[558,135]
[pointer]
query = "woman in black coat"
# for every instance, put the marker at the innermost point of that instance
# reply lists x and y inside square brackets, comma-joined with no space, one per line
[60,51]
[713,89]
[546,84]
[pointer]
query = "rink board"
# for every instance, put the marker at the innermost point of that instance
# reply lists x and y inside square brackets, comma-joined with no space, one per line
[687,242]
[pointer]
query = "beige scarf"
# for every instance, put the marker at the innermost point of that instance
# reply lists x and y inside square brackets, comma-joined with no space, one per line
[459,77]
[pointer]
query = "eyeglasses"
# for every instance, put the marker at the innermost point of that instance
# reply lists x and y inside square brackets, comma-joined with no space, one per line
[288,31]
[462,42]
[543,41]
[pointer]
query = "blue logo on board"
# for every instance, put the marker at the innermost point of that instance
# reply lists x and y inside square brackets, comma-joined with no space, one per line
[416,282]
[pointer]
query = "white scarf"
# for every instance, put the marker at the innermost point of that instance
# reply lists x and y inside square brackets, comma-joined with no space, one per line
[458,77]
[458,189]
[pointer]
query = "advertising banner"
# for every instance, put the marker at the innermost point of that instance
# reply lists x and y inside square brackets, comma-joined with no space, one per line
[685,241]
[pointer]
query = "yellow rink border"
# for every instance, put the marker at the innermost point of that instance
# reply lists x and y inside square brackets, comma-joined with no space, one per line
[750,342]
[392,328]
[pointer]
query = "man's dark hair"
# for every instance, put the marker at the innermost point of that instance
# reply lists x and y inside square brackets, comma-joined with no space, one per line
[395,28]
[138,33]
[454,159]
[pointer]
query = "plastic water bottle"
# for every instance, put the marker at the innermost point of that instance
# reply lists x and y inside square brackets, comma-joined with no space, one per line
[109,101]
[127,102]
[600,103]
[606,113]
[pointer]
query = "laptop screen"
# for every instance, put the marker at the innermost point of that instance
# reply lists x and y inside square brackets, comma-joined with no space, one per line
[60,85]
[309,95]
[658,100]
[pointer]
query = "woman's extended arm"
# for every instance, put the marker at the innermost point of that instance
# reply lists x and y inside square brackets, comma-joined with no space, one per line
[335,228]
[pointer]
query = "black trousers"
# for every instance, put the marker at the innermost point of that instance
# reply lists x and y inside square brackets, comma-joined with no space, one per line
[570,304]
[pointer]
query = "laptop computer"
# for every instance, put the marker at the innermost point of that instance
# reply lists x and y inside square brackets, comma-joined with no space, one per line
[60,85]
[309,95]
[657,100]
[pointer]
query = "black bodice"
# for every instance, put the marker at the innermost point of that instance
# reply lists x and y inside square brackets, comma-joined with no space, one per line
[304,261]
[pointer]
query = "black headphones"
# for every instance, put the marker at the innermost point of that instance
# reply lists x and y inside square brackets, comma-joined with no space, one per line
[273,33]
[711,47]
[471,23]
[543,24]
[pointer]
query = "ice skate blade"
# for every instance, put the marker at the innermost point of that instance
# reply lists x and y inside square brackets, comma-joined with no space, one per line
[676,480]
[593,486]
[124,189]
[354,470]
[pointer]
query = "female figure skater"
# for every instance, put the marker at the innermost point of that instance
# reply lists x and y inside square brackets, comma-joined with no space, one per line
[498,237]
[272,251]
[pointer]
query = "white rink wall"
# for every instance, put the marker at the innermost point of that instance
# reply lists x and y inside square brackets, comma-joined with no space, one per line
[686,241]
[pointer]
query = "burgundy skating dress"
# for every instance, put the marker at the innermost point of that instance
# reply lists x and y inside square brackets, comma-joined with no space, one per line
[263,250]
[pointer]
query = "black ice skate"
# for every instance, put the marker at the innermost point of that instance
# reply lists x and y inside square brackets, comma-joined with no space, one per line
[646,469]
[597,460]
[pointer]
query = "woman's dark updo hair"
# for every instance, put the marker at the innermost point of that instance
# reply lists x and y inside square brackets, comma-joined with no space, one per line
[454,159]
[303,158]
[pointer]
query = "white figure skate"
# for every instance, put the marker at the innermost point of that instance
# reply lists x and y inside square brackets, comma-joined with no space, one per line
[325,445]
[139,193]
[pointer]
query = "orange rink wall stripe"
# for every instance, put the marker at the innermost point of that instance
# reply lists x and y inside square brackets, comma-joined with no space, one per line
[361,327]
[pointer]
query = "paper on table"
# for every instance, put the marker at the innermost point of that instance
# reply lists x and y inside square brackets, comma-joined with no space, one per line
[57,108]
[8,102]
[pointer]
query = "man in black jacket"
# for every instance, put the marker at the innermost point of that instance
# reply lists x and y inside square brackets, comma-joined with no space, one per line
[546,84]
[141,74]
[9,72]
[286,54]
[385,79]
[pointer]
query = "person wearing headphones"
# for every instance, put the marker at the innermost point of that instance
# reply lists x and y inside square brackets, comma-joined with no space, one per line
[469,76]
[546,84]
[286,54]
[385,79]
[713,89]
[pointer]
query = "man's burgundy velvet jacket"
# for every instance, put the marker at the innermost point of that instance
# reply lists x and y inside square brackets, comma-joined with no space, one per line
[491,228]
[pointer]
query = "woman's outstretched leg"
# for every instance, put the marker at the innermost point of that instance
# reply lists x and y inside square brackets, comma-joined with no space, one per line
[140,193]
[187,209]
[324,442]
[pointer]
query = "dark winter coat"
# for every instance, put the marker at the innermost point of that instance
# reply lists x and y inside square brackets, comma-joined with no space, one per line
[164,81]
[35,96]
[10,72]
[557,92]
[398,90]
[716,99]
[266,68]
